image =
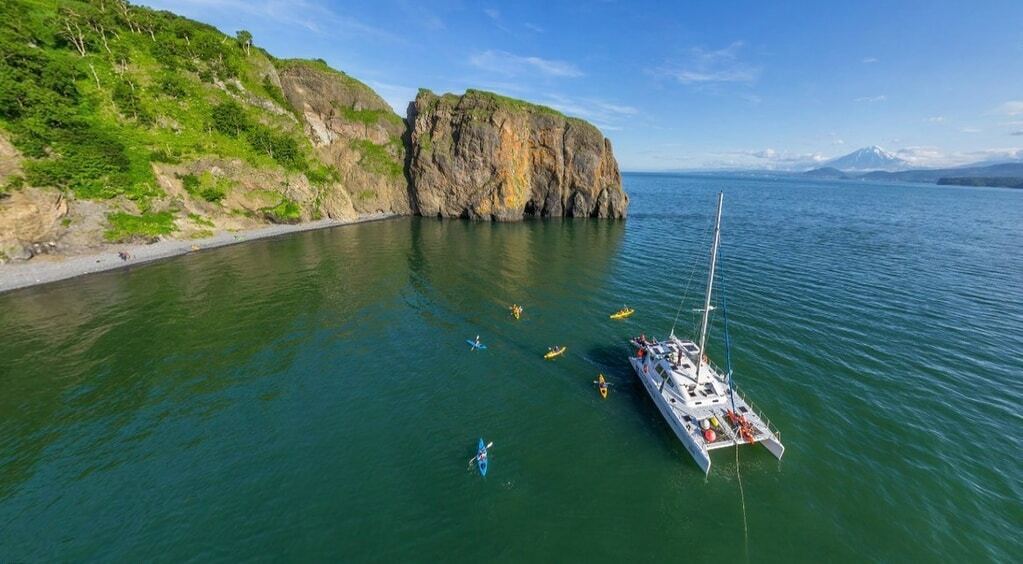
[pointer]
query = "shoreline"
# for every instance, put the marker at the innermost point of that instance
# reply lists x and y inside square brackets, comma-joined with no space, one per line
[39,272]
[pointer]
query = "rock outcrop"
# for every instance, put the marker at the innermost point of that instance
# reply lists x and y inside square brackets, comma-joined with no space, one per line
[353,129]
[484,156]
[196,132]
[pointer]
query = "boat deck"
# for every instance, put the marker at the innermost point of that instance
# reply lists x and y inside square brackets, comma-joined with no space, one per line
[669,373]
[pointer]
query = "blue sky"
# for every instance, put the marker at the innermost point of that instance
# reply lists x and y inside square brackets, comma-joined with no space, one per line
[688,85]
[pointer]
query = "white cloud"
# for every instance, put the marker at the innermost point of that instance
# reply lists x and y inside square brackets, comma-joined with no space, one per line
[935,119]
[1011,108]
[871,99]
[869,60]
[534,27]
[607,116]
[969,130]
[934,157]
[509,64]
[704,66]
[492,13]
[762,159]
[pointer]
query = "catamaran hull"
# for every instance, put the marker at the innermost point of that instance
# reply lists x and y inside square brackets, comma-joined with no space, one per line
[699,454]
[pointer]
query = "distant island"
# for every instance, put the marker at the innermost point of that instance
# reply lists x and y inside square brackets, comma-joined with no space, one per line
[994,181]
[1008,174]
[121,124]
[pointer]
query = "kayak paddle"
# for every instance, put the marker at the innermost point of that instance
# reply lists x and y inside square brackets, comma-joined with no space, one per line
[473,459]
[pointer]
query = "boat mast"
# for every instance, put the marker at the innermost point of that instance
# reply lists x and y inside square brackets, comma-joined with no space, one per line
[710,286]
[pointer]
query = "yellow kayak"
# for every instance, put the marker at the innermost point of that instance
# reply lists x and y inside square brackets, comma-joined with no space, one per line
[622,313]
[516,311]
[555,353]
[602,386]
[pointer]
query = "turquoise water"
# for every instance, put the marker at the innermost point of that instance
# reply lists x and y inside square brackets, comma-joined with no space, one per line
[312,396]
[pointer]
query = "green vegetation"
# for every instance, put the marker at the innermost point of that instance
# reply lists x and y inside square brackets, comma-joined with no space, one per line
[206,186]
[285,212]
[278,146]
[125,226]
[200,220]
[92,92]
[381,159]
[316,64]
[368,117]
[274,92]
[16,182]
[426,142]
[229,118]
[322,175]
[513,103]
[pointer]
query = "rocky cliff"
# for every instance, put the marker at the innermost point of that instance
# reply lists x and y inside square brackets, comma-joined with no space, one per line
[131,132]
[484,156]
[353,130]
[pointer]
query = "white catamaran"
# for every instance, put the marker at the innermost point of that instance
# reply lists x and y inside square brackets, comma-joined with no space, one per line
[696,398]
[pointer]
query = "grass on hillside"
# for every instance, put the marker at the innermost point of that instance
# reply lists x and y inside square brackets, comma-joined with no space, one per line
[125,226]
[93,92]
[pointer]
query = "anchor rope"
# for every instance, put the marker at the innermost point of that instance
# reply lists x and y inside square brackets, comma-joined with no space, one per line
[731,393]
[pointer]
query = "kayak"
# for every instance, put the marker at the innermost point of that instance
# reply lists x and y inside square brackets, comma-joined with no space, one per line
[602,386]
[622,313]
[555,353]
[474,346]
[481,457]
[516,312]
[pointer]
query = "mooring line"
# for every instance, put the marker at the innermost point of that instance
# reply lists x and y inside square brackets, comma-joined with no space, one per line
[742,498]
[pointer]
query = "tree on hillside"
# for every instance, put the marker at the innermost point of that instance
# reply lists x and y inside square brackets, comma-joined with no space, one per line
[245,40]
[71,31]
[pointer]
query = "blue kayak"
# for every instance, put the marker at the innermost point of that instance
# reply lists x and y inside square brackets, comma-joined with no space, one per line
[473,344]
[481,457]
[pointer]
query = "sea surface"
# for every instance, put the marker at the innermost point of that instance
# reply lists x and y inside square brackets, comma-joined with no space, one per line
[312,397]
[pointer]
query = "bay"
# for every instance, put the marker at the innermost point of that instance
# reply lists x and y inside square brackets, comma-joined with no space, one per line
[312,397]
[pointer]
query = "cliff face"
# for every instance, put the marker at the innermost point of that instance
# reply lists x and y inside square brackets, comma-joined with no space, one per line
[352,129]
[483,156]
[132,133]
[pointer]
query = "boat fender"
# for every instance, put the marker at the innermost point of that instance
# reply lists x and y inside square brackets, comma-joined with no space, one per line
[709,435]
[705,424]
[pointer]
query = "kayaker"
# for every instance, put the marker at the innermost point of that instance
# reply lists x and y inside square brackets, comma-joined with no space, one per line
[477,341]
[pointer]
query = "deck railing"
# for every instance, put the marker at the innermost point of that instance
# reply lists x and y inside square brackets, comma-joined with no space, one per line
[760,414]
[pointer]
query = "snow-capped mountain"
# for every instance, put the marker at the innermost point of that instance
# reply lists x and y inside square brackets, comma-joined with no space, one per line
[867,158]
